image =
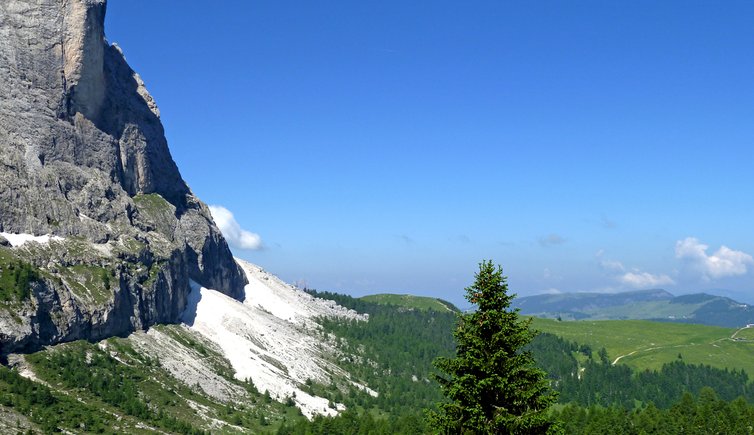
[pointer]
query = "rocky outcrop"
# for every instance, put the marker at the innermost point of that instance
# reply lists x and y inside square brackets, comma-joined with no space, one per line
[83,156]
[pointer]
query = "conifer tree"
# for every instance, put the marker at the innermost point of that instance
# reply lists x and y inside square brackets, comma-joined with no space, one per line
[492,384]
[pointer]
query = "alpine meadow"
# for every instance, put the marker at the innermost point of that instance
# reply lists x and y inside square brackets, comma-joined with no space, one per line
[356,218]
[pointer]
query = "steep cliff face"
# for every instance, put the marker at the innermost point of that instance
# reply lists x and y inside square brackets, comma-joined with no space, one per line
[83,156]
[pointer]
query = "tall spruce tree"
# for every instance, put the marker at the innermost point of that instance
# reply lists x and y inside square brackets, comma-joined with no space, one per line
[492,384]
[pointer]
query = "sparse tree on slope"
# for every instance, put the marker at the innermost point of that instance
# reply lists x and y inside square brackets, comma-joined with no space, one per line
[493,386]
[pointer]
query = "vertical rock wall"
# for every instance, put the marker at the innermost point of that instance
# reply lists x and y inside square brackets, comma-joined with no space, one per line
[83,155]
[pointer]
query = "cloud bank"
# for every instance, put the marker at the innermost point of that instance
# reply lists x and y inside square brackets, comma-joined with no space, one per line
[633,278]
[723,263]
[612,265]
[639,279]
[236,236]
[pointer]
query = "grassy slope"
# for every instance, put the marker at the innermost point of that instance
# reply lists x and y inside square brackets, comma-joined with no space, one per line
[648,345]
[410,301]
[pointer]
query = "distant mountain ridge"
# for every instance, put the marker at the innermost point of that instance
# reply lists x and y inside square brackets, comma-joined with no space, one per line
[655,304]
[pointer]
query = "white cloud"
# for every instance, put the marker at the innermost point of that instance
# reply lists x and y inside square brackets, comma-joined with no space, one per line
[612,265]
[633,278]
[639,279]
[236,236]
[608,265]
[723,263]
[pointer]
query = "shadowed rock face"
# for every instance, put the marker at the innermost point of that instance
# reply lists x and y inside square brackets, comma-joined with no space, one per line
[83,156]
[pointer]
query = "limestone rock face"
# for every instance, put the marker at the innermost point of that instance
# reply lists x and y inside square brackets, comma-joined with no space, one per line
[83,156]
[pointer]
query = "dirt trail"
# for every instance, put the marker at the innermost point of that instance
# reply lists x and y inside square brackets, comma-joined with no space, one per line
[647,349]
[640,350]
[732,337]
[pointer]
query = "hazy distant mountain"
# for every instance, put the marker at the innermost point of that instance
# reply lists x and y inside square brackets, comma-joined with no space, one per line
[654,304]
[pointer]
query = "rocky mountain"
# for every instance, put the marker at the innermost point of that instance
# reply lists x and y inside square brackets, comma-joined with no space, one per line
[122,309]
[100,235]
[660,305]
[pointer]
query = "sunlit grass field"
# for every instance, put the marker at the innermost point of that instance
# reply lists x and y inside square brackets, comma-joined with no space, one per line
[643,344]
[410,301]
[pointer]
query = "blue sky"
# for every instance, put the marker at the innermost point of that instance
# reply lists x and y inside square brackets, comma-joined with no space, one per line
[390,146]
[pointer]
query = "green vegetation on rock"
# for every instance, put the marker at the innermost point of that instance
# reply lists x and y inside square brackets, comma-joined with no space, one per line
[16,277]
[49,410]
[90,371]
[91,283]
[152,203]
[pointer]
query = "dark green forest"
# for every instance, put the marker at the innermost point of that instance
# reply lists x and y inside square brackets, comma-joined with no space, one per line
[595,381]
[392,353]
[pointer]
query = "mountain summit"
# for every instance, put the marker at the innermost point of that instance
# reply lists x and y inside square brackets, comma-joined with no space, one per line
[99,234]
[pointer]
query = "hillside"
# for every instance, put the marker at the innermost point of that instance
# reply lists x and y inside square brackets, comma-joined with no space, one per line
[643,345]
[403,343]
[222,370]
[658,305]
[411,301]
[228,367]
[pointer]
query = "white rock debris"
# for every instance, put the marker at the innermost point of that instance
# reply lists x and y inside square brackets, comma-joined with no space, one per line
[286,302]
[265,337]
[365,389]
[17,240]
[186,364]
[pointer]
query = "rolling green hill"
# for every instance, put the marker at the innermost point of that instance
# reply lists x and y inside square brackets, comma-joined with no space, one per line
[642,344]
[411,301]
